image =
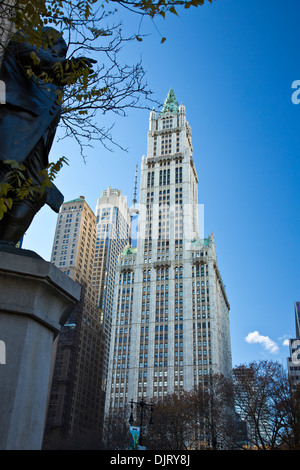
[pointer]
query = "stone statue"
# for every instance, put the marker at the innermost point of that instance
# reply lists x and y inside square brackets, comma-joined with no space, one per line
[28,121]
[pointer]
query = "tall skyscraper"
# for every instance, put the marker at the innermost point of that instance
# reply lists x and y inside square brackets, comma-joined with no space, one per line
[112,236]
[171,313]
[76,399]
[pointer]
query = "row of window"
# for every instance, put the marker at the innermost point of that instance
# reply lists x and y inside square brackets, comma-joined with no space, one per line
[166,143]
[164,177]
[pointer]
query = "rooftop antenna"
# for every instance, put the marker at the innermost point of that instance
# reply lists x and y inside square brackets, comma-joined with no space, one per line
[134,211]
[134,200]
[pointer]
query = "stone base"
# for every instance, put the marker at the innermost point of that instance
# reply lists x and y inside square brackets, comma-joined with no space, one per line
[36,299]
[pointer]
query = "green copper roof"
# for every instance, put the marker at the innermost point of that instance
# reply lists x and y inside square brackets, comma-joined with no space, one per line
[202,242]
[170,104]
[79,199]
[129,251]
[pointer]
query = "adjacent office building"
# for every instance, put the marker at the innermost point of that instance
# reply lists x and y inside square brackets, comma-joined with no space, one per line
[112,236]
[170,326]
[76,399]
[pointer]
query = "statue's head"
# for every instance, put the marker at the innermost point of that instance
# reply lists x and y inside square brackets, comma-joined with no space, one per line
[54,41]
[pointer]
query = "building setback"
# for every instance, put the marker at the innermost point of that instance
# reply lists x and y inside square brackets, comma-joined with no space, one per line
[76,399]
[170,325]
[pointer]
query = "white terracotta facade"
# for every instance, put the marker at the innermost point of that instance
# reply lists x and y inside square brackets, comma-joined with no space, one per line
[171,314]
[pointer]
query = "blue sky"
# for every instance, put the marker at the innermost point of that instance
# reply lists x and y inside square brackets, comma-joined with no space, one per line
[232,64]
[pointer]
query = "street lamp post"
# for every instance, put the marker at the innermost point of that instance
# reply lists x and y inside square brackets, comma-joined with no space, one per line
[143,406]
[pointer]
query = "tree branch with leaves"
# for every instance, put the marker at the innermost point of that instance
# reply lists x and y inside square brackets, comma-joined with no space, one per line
[91,28]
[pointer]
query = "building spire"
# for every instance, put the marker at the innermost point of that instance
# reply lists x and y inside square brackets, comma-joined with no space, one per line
[134,200]
[170,104]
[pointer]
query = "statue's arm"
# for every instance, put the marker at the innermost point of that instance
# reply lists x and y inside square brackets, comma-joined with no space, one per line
[39,60]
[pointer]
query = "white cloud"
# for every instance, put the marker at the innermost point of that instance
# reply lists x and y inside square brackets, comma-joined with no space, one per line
[285,340]
[265,341]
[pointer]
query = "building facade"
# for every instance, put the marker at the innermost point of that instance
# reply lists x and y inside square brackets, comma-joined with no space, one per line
[76,399]
[112,236]
[171,313]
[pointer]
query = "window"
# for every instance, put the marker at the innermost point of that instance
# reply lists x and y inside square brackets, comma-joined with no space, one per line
[164,177]
[178,175]
[150,179]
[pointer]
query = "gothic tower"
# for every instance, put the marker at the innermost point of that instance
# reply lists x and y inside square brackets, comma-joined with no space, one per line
[171,312]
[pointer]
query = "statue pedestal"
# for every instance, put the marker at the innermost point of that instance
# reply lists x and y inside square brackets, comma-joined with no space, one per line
[36,299]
